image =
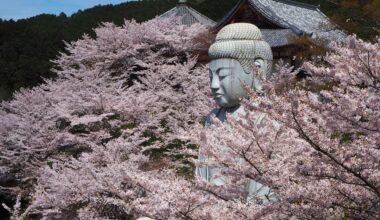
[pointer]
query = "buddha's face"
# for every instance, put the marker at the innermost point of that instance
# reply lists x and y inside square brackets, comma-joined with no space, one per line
[227,77]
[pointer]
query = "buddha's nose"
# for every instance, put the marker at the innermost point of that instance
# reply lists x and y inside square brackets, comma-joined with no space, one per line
[215,83]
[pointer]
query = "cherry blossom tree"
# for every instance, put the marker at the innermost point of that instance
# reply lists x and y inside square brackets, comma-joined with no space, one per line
[318,147]
[82,146]
[77,143]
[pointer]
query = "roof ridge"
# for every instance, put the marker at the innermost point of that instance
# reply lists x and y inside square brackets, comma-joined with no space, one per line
[300,4]
[189,15]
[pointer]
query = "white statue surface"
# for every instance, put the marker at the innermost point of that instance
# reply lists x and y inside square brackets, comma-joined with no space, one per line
[239,56]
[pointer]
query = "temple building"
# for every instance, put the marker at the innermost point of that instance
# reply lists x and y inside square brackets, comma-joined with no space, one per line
[280,20]
[189,15]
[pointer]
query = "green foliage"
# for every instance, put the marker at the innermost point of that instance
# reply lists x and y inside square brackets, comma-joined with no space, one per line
[360,17]
[28,45]
[116,132]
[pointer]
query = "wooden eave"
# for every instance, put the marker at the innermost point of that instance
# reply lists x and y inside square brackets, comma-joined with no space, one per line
[268,19]
[241,8]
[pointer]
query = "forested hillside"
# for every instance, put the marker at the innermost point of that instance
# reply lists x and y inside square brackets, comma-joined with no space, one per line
[28,45]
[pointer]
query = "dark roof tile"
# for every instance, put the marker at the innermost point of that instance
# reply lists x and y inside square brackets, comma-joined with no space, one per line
[189,15]
[299,17]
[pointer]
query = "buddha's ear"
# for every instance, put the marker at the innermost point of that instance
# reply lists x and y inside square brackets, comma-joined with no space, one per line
[261,66]
[259,63]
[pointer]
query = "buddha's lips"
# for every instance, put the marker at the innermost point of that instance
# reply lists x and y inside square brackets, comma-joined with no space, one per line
[217,95]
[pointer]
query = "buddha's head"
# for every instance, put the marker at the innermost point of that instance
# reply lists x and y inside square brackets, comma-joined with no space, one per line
[237,50]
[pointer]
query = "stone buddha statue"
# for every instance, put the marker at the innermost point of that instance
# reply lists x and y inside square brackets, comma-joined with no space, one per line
[239,57]
[237,50]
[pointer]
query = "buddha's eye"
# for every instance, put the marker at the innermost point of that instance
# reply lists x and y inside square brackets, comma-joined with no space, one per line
[223,73]
[259,63]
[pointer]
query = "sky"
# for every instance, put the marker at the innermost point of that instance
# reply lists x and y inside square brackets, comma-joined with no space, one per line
[17,9]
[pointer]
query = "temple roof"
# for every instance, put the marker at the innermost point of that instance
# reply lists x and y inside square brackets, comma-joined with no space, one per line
[189,15]
[299,17]
[277,37]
